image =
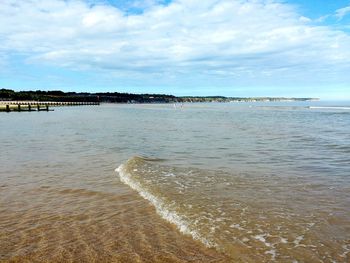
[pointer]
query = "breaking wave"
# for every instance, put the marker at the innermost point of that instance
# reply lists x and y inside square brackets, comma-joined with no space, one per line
[329,107]
[267,218]
[167,210]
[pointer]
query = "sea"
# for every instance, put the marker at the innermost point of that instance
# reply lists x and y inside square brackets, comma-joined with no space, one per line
[193,182]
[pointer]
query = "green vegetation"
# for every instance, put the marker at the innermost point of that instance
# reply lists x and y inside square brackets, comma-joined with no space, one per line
[116,97]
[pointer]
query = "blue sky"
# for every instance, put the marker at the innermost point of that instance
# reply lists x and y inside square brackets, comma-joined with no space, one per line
[183,47]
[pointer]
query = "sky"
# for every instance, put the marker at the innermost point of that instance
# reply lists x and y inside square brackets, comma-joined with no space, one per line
[243,48]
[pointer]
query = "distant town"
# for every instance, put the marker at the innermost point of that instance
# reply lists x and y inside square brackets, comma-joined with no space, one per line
[117,97]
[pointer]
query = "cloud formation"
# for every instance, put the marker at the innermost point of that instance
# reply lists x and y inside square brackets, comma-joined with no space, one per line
[245,42]
[342,12]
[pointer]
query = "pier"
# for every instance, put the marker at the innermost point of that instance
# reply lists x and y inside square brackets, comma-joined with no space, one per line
[19,106]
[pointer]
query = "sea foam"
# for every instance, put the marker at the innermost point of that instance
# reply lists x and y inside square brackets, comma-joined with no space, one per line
[183,225]
[329,107]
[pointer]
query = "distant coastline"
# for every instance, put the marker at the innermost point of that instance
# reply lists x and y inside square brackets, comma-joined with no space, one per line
[116,97]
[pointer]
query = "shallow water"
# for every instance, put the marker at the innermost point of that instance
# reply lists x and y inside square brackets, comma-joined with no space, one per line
[205,182]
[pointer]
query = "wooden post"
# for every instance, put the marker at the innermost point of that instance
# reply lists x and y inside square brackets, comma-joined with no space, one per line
[29,107]
[8,108]
[19,107]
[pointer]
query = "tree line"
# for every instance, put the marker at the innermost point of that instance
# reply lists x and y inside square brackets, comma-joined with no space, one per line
[117,97]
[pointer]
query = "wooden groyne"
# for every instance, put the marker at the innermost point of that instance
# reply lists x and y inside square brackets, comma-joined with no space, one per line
[50,103]
[8,106]
[24,107]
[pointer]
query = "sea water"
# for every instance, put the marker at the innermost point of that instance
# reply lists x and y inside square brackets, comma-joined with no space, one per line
[240,182]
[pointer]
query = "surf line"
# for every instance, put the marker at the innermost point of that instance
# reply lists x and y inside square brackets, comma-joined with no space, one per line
[171,216]
[329,107]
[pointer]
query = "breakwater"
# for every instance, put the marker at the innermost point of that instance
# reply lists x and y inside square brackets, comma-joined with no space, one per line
[8,106]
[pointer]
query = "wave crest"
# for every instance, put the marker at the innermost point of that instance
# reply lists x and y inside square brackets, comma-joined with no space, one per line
[167,210]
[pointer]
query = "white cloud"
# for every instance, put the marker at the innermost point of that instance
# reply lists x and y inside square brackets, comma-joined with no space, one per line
[340,13]
[233,38]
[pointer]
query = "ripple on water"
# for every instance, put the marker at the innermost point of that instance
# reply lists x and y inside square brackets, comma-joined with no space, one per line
[257,218]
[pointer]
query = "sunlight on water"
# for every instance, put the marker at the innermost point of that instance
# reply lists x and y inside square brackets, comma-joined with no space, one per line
[262,218]
[231,182]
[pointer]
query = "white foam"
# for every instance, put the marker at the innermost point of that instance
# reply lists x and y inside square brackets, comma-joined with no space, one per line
[329,107]
[262,239]
[346,251]
[271,252]
[237,226]
[284,240]
[298,240]
[169,174]
[245,239]
[171,216]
